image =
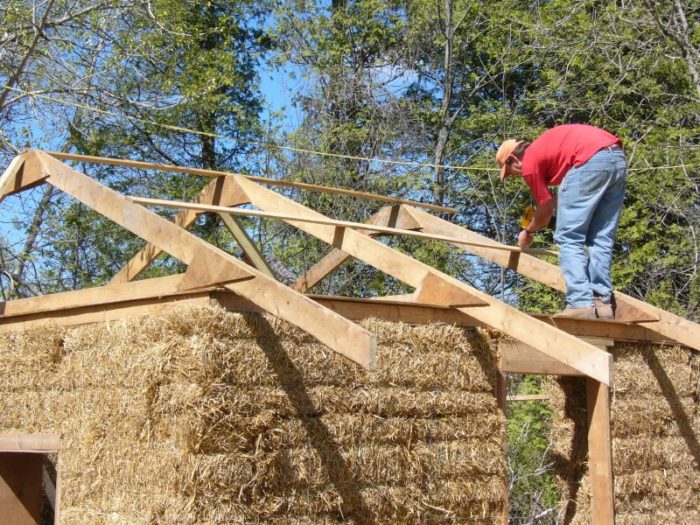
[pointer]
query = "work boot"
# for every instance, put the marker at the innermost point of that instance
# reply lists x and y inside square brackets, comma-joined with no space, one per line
[605,311]
[587,312]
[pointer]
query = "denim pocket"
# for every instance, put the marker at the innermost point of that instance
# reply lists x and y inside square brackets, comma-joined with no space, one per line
[585,180]
[593,181]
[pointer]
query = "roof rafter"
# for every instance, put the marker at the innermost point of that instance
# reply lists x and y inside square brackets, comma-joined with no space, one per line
[218,191]
[340,334]
[628,308]
[584,357]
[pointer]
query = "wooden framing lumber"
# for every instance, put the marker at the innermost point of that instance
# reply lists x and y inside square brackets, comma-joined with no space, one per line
[246,244]
[587,359]
[501,389]
[22,173]
[160,286]
[630,309]
[41,443]
[7,180]
[600,466]
[261,180]
[156,295]
[322,219]
[205,271]
[520,358]
[21,487]
[105,313]
[341,335]
[386,216]
[219,191]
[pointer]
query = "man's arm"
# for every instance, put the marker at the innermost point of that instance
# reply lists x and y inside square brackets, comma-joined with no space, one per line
[543,213]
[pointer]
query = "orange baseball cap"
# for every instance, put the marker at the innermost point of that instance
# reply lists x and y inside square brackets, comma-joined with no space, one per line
[504,152]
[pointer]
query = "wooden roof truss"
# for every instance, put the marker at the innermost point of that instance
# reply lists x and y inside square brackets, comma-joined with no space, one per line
[209,266]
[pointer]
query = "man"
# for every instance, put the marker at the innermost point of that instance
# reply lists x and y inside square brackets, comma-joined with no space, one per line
[590,167]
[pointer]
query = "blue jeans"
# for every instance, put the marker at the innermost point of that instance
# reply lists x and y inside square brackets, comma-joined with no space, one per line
[588,211]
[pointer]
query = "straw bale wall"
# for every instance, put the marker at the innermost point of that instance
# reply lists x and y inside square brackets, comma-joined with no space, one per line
[206,416]
[655,426]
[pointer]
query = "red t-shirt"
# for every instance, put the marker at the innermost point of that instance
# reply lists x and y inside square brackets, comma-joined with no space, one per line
[556,151]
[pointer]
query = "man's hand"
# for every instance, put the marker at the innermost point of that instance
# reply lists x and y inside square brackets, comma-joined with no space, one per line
[525,239]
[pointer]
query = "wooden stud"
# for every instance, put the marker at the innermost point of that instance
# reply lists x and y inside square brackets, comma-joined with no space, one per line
[246,244]
[21,488]
[600,466]
[222,190]
[261,180]
[551,341]
[341,335]
[501,388]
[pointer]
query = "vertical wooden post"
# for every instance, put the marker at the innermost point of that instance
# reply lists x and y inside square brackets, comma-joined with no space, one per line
[501,383]
[600,467]
[20,488]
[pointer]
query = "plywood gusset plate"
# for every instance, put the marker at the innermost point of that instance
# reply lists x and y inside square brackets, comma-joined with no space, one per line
[340,334]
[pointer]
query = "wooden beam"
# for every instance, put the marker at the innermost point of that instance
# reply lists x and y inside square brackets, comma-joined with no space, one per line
[7,180]
[436,290]
[322,219]
[205,271]
[104,313]
[246,244]
[600,466]
[520,358]
[261,180]
[21,488]
[501,389]
[156,287]
[551,341]
[24,172]
[386,216]
[341,335]
[529,397]
[629,309]
[24,442]
[153,296]
[319,271]
[221,190]
[402,298]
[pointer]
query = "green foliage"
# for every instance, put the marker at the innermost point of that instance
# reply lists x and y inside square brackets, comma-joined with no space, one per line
[531,479]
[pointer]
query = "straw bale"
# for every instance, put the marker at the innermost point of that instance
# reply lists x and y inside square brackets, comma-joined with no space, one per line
[308,467]
[315,401]
[651,415]
[203,416]
[441,502]
[232,432]
[682,517]
[655,424]
[642,453]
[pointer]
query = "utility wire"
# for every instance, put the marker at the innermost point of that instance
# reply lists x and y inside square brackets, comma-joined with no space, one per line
[289,148]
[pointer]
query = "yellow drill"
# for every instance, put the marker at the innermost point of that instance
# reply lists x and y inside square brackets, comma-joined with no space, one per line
[526,217]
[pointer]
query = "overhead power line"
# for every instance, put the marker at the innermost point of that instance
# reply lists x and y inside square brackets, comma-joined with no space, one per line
[289,148]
